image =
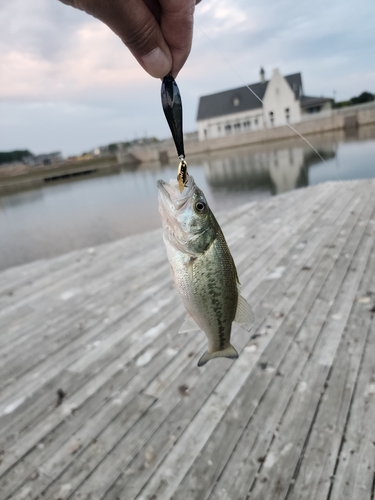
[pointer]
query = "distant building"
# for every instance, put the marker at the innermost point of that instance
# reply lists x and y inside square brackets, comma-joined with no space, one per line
[44,159]
[239,110]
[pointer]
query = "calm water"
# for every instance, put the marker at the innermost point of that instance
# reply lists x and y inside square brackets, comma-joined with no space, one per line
[66,215]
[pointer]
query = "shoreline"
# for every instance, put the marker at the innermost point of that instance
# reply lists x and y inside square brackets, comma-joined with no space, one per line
[348,121]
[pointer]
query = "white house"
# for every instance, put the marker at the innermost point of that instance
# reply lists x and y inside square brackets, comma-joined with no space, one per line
[281,100]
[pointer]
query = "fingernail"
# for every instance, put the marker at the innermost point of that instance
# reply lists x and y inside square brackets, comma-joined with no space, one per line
[156,63]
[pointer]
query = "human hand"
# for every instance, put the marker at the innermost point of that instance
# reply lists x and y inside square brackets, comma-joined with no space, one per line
[157,32]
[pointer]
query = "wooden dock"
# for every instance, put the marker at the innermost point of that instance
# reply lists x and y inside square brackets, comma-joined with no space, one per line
[100,398]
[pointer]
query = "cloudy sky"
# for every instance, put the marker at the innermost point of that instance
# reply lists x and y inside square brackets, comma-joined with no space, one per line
[68,84]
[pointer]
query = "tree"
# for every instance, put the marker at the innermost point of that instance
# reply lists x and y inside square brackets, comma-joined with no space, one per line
[12,156]
[364,97]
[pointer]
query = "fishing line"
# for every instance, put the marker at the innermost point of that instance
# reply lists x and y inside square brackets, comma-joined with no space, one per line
[259,99]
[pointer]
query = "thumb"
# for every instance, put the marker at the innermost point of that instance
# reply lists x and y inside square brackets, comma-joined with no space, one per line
[140,31]
[138,28]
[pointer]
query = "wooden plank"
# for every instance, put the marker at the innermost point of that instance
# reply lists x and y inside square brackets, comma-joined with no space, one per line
[207,468]
[57,272]
[354,473]
[60,293]
[165,479]
[49,367]
[20,362]
[317,469]
[113,421]
[72,415]
[97,466]
[243,465]
[92,393]
[285,450]
[131,480]
[300,253]
[118,414]
[204,436]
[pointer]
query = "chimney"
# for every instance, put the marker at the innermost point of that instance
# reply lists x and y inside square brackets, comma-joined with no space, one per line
[262,75]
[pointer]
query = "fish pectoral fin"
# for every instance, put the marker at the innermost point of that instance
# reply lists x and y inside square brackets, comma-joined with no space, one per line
[230,352]
[244,314]
[188,325]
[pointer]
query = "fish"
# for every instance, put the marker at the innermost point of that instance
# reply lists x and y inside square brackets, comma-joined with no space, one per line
[202,268]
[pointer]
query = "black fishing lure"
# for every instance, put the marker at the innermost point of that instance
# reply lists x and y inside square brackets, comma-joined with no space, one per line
[172,106]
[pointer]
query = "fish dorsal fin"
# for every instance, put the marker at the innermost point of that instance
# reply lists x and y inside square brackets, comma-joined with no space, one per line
[188,325]
[244,315]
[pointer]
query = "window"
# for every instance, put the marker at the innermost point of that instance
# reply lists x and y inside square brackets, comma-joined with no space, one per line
[287,114]
[228,129]
[236,101]
[256,121]
[237,127]
[219,128]
[247,124]
[272,118]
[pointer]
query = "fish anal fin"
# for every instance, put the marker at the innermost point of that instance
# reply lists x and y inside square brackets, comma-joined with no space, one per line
[230,352]
[188,325]
[244,314]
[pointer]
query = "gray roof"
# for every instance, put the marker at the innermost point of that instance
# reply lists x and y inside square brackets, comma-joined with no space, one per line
[223,103]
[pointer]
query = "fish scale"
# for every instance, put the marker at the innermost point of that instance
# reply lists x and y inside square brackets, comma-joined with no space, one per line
[214,286]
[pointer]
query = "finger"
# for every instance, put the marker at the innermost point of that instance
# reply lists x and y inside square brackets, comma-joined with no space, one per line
[176,24]
[138,28]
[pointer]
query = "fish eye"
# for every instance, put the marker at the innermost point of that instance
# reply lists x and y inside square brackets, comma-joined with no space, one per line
[200,206]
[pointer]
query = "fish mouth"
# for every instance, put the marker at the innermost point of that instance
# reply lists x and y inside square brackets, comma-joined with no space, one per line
[167,190]
[169,193]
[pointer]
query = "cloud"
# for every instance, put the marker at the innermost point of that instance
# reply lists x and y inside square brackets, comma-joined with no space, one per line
[42,28]
[59,61]
[66,79]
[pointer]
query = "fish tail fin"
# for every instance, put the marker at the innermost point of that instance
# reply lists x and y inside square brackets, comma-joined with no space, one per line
[230,352]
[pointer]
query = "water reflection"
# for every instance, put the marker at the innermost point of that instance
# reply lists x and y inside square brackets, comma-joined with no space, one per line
[277,170]
[85,211]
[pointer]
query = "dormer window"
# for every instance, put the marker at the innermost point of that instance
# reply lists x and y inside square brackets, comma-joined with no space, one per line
[236,101]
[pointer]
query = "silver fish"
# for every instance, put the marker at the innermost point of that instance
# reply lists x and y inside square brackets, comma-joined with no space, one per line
[202,268]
